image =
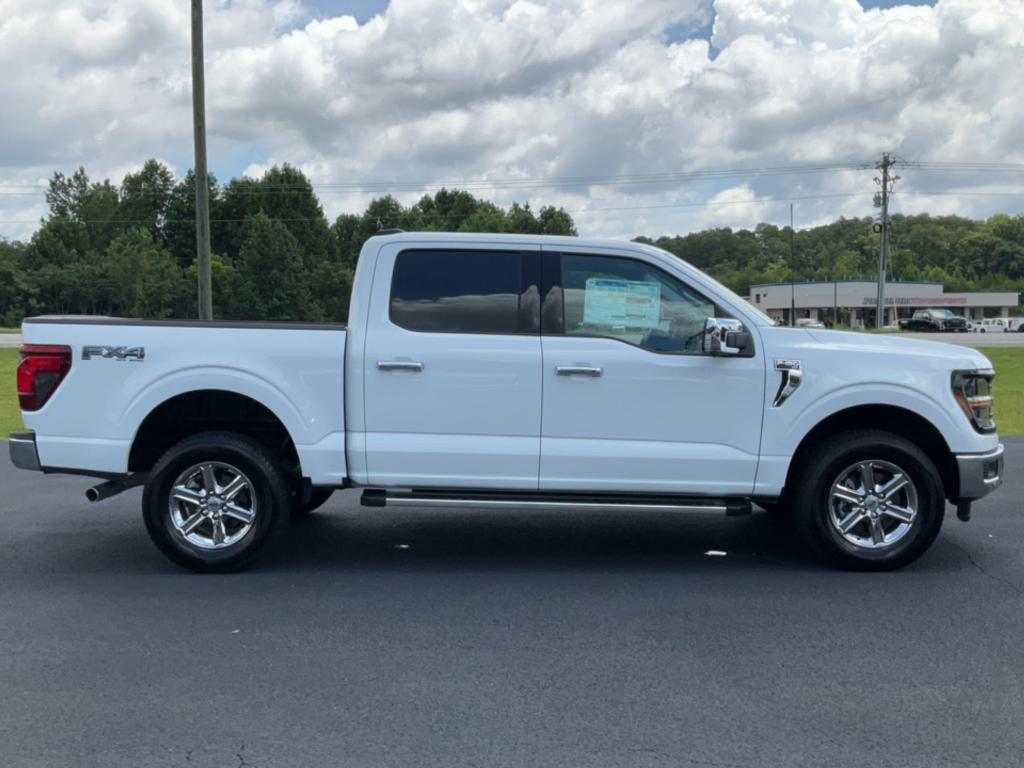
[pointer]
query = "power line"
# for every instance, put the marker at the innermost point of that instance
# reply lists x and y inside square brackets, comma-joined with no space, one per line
[528,183]
[513,182]
[698,204]
[666,206]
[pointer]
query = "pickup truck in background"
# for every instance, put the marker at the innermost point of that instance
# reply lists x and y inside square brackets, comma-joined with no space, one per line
[513,371]
[936,321]
[998,325]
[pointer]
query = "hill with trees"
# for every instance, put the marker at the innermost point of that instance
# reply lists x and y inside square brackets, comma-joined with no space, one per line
[965,254]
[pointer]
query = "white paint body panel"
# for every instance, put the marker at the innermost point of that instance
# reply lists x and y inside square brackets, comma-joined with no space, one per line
[843,370]
[489,411]
[469,419]
[650,422]
[90,421]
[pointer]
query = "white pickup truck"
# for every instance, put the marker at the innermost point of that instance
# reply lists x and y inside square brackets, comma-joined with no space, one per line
[513,371]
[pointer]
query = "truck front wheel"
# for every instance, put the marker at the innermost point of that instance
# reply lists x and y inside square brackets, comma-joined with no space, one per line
[868,500]
[214,501]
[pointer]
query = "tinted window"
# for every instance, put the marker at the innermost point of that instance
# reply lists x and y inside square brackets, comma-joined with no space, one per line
[632,301]
[457,291]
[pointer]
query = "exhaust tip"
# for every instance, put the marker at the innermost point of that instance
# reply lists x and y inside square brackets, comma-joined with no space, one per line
[92,494]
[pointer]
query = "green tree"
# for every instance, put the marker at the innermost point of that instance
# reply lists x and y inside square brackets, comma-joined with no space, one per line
[145,197]
[285,195]
[179,230]
[272,280]
[141,278]
[17,294]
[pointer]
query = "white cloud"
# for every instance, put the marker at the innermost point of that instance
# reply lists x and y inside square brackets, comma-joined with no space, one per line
[443,90]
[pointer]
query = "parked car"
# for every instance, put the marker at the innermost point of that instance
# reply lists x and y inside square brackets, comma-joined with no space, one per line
[999,325]
[935,320]
[808,322]
[516,372]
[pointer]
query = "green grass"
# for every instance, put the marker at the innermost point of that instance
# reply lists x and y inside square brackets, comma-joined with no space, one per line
[10,414]
[1009,390]
[10,330]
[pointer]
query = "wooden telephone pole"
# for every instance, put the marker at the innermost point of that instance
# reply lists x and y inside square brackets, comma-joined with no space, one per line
[202,187]
[882,201]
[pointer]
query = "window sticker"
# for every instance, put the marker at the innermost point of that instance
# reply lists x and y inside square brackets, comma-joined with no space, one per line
[621,303]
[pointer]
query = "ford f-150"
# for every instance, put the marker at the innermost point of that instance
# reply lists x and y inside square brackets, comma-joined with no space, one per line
[513,371]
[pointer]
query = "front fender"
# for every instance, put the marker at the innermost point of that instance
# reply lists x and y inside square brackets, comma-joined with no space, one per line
[854,395]
[786,427]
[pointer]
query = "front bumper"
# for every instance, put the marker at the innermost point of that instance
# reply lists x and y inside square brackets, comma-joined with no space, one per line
[22,446]
[980,473]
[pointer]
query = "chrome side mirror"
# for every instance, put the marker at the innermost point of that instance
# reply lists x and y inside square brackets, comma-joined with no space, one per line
[724,337]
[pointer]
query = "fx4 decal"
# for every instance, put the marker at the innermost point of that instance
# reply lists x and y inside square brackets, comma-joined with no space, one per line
[137,354]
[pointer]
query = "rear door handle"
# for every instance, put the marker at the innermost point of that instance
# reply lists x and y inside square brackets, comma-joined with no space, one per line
[399,365]
[578,370]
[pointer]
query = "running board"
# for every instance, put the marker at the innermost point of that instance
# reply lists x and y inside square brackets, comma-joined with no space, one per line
[540,500]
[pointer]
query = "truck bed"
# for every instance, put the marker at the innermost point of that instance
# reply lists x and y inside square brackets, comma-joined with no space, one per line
[123,369]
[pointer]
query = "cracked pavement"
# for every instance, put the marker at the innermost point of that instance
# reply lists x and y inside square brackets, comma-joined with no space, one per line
[379,637]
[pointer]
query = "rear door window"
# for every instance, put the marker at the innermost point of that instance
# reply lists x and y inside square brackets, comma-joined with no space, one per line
[456,291]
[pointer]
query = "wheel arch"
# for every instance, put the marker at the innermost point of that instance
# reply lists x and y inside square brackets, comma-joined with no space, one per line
[209,409]
[889,418]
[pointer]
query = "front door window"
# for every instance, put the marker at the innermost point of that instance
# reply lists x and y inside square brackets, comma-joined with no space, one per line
[633,302]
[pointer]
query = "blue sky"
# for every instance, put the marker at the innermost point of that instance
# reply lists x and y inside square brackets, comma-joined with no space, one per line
[361,9]
[891,3]
[365,9]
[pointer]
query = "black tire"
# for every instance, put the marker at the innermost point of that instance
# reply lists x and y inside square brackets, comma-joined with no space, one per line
[266,491]
[312,499]
[812,509]
[777,507]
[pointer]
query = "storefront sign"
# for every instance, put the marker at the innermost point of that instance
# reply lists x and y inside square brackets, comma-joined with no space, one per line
[916,301]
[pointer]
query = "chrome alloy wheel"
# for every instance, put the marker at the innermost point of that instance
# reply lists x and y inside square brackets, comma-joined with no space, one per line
[872,504]
[212,505]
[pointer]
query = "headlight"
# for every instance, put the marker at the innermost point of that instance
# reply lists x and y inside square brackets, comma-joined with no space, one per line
[973,391]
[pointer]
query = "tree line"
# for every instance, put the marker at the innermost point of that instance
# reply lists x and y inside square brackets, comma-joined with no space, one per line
[964,254]
[129,250]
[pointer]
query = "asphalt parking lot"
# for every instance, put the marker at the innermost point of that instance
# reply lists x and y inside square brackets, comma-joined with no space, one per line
[460,638]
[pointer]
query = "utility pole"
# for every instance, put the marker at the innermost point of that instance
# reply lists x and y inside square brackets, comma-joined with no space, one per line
[792,277]
[835,302]
[886,181]
[202,187]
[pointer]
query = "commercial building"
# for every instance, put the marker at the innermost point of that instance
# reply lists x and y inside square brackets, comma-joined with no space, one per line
[853,302]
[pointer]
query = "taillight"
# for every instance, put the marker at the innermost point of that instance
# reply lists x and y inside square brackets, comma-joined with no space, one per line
[973,391]
[41,370]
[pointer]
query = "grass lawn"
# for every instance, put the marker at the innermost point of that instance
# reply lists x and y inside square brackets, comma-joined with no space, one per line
[10,415]
[1009,390]
[10,330]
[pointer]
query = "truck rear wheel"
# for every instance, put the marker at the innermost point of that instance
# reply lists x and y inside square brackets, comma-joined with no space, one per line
[214,501]
[869,500]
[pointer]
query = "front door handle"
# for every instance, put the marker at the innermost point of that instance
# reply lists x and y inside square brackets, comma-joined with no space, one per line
[399,365]
[578,370]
